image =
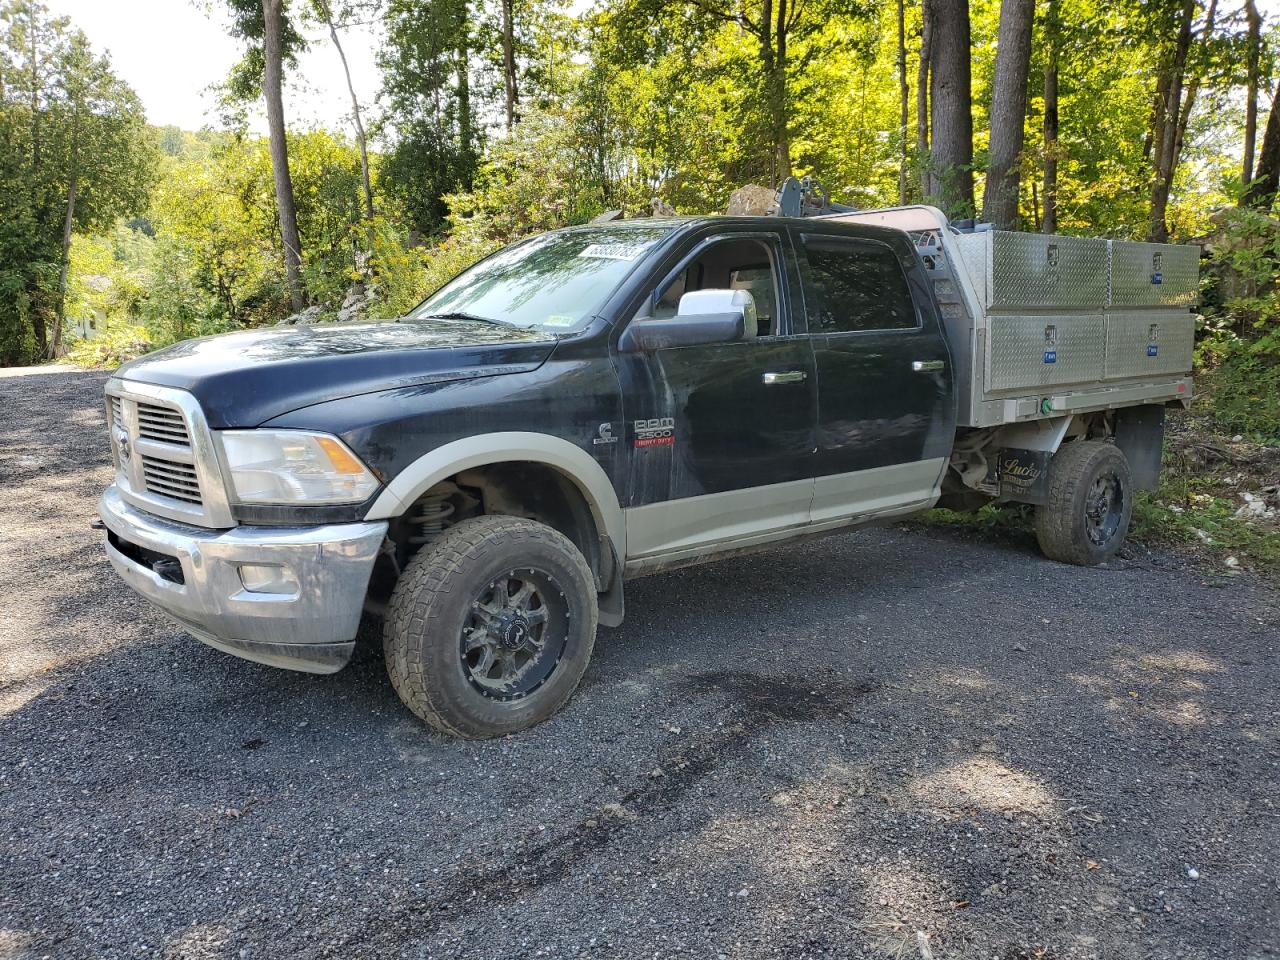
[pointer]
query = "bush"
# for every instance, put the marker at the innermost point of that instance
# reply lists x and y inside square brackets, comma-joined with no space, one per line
[405,275]
[117,342]
[1240,381]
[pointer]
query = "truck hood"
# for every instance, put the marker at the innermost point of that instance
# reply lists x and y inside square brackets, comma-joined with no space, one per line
[244,379]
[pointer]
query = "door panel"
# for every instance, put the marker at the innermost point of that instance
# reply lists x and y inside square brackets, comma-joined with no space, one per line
[720,450]
[886,417]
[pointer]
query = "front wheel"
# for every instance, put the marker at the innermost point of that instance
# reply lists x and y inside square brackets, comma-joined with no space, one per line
[491,626]
[1090,503]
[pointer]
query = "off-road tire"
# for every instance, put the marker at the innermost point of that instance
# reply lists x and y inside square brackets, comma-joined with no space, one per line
[431,603]
[1062,524]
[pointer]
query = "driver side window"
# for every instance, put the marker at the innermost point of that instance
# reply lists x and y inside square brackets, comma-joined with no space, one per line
[748,264]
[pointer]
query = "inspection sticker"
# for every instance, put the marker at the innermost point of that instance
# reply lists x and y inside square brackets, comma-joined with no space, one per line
[613,251]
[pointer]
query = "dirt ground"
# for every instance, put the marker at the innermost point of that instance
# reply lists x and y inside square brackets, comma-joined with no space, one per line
[904,742]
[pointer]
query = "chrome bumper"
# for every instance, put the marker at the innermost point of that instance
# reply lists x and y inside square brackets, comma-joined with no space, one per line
[312,629]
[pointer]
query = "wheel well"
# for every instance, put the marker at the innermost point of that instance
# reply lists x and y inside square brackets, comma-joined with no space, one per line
[526,489]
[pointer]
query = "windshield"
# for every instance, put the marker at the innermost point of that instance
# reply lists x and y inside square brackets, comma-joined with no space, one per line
[553,282]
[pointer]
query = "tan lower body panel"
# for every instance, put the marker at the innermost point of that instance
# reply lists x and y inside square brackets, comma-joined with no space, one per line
[875,491]
[662,533]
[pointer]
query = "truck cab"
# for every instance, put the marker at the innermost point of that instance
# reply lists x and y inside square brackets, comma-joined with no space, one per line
[482,475]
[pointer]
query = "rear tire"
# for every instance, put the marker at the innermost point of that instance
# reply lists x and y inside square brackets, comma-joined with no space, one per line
[490,628]
[1090,504]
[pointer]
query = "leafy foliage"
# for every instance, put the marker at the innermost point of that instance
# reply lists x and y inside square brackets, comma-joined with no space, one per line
[72,137]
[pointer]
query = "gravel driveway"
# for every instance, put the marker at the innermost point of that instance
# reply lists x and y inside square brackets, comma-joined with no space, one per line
[899,743]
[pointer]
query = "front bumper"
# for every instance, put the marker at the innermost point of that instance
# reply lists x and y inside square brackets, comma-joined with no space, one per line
[311,629]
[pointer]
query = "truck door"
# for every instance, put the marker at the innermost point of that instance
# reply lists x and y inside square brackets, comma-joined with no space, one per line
[721,435]
[886,413]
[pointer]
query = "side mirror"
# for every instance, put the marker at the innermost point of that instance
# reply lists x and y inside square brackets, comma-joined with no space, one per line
[704,316]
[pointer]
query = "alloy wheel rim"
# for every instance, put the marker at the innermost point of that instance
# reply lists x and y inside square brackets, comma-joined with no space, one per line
[514,634]
[1103,509]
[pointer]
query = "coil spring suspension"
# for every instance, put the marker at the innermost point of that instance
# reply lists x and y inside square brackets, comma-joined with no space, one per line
[430,518]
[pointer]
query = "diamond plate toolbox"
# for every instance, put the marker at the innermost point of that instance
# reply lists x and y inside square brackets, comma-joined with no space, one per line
[1029,352]
[1035,271]
[1143,343]
[1153,274]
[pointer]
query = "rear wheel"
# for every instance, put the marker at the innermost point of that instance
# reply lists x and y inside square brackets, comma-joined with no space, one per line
[1090,504]
[490,628]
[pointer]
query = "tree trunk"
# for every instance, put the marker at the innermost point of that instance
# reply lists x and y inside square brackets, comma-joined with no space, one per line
[904,102]
[68,222]
[922,97]
[1008,114]
[1251,96]
[1052,39]
[952,118]
[1193,91]
[323,6]
[466,129]
[781,109]
[509,78]
[1266,178]
[37,310]
[1165,129]
[272,82]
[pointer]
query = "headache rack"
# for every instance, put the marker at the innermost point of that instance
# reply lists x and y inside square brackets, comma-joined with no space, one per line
[1042,325]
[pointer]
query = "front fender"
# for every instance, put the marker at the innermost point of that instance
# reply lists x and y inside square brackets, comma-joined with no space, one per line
[507,447]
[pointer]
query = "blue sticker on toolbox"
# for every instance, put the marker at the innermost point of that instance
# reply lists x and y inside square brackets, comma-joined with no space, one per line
[1051,356]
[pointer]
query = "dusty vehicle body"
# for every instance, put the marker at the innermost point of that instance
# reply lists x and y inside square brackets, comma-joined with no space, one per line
[610,400]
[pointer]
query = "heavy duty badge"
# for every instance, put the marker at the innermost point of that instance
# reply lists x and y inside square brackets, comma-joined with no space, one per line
[658,432]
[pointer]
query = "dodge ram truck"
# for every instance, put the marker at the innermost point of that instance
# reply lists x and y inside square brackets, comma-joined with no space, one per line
[483,475]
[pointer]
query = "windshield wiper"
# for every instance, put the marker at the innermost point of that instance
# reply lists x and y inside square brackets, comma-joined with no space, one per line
[458,315]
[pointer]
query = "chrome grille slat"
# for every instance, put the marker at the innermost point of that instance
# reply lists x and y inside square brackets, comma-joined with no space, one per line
[156,422]
[174,493]
[166,471]
[164,436]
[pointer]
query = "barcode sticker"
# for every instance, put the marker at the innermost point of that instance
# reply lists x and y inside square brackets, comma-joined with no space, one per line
[613,251]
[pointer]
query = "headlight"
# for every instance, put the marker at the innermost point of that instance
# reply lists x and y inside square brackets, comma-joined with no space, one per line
[294,466]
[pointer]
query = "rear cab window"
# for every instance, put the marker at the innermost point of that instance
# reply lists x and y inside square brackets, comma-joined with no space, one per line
[854,285]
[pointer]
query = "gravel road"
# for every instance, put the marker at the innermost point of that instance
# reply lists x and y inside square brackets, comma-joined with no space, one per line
[900,743]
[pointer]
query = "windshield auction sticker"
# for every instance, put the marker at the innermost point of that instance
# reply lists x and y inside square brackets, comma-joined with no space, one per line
[613,251]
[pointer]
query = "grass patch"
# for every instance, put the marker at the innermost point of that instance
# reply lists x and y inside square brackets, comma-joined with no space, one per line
[1199,513]
[1196,508]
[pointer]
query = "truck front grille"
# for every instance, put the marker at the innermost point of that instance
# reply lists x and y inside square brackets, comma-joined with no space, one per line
[164,454]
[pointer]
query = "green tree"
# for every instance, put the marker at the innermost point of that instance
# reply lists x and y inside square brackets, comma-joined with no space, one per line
[431,117]
[75,155]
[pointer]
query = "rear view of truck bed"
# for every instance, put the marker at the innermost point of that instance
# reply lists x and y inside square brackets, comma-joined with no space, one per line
[1042,326]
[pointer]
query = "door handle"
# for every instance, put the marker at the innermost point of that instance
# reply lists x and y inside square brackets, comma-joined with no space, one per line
[920,366]
[791,376]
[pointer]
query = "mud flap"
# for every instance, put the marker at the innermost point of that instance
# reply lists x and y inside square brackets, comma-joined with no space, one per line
[1023,475]
[610,600]
[1140,437]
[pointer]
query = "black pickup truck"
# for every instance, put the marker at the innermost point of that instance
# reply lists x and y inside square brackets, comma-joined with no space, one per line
[585,406]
